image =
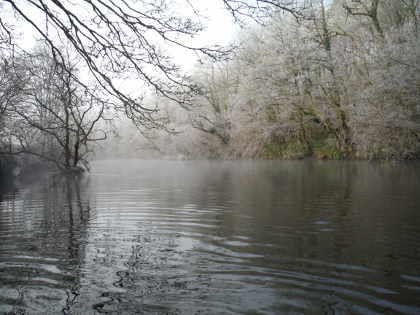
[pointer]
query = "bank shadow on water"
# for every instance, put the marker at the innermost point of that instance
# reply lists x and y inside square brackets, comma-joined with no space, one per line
[184,237]
[41,224]
[7,186]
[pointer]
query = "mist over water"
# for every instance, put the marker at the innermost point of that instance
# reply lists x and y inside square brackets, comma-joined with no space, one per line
[213,237]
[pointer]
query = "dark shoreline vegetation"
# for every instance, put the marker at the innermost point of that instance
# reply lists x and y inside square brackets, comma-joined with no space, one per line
[331,80]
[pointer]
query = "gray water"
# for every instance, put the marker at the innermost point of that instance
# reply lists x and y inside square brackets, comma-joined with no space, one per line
[201,237]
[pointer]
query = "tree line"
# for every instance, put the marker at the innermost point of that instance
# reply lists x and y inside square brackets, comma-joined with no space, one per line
[339,80]
[60,96]
[330,79]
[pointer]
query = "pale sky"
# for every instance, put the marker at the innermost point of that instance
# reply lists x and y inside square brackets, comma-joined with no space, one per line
[220,26]
[220,29]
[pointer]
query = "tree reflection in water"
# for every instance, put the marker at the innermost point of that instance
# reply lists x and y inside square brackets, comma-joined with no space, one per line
[214,237]
[42,226]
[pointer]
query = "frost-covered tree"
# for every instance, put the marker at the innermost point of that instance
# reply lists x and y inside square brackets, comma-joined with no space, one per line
[55,118]
[329,84]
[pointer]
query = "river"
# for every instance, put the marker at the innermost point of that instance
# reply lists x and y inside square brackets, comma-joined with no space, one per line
[214,237]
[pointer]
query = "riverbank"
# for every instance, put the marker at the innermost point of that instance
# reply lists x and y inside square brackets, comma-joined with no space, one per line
[326,150]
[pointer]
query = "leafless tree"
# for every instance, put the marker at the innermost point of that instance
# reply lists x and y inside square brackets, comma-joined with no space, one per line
[116,39]
[262,10]
[55,118]
[212,107]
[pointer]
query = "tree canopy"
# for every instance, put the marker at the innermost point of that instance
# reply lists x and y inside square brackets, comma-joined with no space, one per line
[115,39]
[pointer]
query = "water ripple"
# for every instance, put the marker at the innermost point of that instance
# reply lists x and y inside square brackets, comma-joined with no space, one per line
[212,238]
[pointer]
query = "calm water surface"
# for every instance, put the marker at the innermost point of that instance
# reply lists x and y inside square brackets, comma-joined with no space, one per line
[200,237]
